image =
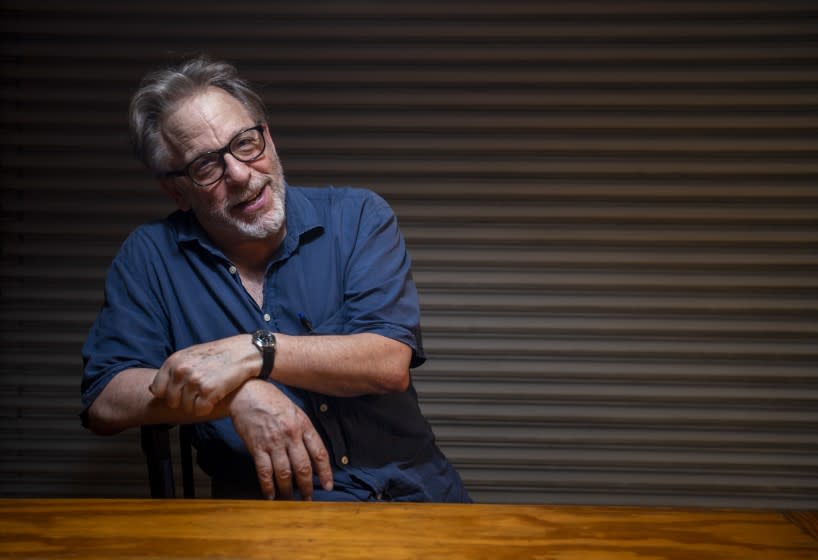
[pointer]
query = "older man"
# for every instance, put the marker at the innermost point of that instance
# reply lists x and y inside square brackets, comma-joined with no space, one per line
[282,321]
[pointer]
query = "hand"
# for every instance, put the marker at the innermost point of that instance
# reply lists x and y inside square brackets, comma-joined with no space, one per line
[281,439]
[199,376]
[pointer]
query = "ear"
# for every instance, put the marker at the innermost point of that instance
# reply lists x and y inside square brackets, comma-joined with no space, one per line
[269,139]
[175,192]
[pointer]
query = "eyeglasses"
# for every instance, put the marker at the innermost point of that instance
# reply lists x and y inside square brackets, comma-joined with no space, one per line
[208,169]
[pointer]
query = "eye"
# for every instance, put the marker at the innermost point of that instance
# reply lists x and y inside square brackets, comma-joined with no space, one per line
[246,144]
[205,169]
[204,163]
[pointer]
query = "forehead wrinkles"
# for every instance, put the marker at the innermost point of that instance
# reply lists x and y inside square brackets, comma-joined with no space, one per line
[203,123]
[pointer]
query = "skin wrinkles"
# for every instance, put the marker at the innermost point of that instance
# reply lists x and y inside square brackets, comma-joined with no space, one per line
[207,122]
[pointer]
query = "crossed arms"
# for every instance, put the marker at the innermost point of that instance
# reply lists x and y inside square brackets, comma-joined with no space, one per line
[219,379]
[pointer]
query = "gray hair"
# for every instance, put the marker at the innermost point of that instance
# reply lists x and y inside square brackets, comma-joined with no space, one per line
[161,92]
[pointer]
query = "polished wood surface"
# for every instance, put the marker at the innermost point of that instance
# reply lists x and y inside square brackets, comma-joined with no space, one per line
[94,529]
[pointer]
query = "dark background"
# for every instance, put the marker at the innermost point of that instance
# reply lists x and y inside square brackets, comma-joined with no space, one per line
[612,208]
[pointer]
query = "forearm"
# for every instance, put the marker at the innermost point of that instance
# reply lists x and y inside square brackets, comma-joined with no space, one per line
[198,383]
[279,436]
[342,365]
[127,402]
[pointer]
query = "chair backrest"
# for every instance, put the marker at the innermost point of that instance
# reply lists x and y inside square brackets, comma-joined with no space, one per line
[156,447]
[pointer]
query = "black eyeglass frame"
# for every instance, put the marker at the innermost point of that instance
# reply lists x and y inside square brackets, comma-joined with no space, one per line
[185,171]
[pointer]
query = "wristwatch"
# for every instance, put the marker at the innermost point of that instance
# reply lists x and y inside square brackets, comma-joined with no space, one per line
[265,341]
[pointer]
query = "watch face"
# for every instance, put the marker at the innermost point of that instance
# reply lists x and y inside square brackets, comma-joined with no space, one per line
[264,339]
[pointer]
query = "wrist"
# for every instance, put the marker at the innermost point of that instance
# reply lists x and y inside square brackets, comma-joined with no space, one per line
[265,342]
[240,398]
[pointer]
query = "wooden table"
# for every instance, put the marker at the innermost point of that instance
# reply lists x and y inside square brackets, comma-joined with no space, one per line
[91,529]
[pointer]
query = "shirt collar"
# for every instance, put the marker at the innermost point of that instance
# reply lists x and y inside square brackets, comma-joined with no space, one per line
[302,218]
[303,221]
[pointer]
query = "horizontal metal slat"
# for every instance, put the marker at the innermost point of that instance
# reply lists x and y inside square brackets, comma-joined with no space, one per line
[751,96]
[461,434]
[462,28]
[733,144]
[441,52]
[477,278]
[419,8]
[109,109]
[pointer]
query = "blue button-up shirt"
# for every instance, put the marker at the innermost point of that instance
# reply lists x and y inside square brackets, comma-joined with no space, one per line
[342,268]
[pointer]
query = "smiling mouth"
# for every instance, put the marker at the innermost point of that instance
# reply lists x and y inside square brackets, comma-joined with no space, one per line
[252,200]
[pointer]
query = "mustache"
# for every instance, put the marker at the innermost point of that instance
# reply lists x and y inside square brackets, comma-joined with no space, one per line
[254,187]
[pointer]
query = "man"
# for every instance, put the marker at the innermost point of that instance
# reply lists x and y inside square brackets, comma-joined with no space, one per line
[282,321]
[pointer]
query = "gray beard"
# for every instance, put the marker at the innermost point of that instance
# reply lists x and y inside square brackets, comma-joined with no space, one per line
[267,226]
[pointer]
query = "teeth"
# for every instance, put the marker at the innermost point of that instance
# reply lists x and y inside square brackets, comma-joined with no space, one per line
[252,198]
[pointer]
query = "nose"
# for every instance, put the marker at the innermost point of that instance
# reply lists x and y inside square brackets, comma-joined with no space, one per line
[235,171]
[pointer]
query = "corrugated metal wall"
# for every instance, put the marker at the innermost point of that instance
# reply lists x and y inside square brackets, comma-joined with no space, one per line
[612,206]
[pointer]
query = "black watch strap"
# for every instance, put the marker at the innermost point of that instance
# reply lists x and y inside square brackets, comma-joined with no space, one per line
[265,341]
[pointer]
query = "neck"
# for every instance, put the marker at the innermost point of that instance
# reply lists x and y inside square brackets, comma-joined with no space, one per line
[253,255]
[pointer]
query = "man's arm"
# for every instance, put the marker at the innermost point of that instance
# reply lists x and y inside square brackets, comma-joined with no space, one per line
[343,365]
[279,435]
[126,402]
[196,379]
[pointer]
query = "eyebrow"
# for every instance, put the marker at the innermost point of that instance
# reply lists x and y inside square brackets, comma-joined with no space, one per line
[232,137]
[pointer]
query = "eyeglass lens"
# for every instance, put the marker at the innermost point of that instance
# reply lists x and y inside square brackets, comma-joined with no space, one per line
[209,168]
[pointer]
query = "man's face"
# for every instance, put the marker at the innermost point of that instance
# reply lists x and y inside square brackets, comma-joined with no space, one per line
[248,202]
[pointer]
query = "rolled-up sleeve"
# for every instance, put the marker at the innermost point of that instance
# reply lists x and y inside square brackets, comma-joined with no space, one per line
[130,329]
[379,292]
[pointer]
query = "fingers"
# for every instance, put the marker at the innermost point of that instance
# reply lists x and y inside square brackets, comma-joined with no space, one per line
[300,464]
[280,436]
[196,378]
[277,470]
[202,406]
[168,383]
[305,450]
[188,401]
[159,386]
[195,403]
[174,388]
[320,458]
[264,471]
[180,387]
[275,473]
[283,473]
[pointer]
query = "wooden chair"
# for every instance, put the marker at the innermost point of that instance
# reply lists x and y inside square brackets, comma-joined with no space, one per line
[156,447]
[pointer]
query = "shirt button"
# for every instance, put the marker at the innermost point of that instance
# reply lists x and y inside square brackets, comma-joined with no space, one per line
[323,407]
[344,460]
[232,269]
[266,317]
